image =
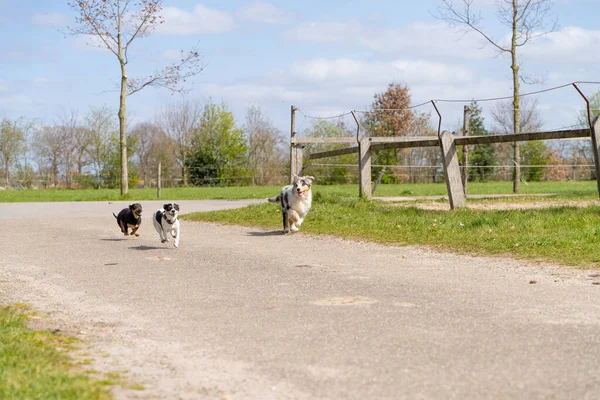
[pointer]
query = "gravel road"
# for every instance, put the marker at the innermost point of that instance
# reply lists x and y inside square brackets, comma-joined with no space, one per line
[241,313]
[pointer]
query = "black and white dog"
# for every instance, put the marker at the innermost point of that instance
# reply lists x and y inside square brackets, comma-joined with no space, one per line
[130,217]
[296,200]
[166,223]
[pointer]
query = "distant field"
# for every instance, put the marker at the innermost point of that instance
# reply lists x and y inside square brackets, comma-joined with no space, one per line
[584,190]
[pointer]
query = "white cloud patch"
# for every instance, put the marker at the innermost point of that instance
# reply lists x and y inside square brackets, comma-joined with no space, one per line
[378,73]
[569,45]
[88,43]
[431,40]
[201,20]
[53,19]
[264,12]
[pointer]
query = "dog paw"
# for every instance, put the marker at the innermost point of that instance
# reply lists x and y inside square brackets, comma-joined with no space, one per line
[125,233]
[164,241]
[137,234]
[294,229]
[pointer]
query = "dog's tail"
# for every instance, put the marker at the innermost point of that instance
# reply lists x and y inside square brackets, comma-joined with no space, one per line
[274,199]
[115,216]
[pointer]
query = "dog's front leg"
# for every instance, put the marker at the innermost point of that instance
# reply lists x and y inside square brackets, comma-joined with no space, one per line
[285,221]
[163,236]
[134,230]
[175,233]
[294,218]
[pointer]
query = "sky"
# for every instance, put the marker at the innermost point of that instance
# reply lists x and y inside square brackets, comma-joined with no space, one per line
[326,57]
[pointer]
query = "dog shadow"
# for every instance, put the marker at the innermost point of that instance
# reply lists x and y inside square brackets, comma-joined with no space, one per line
[113,240]
[271,233]
[145,248]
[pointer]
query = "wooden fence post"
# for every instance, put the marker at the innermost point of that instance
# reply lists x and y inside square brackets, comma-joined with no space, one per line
[364,166]
[295,151]
[595,133]
[456,193]
[158,178]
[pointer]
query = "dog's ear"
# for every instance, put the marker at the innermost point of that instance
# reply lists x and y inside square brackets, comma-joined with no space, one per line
[131,206]
[166,206]
[311,178]
[176,207]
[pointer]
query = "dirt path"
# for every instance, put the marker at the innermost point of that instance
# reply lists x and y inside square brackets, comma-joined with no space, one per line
[239,313]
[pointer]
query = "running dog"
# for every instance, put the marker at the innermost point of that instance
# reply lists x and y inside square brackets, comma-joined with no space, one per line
[166,223]
[130,217]
[296,200]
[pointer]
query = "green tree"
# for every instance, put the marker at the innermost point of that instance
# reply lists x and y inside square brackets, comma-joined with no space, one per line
[535,156]
[219,149]
[12,143]
[482,158]
[326,128]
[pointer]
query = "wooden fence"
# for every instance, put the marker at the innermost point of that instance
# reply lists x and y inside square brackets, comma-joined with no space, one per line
[445,140]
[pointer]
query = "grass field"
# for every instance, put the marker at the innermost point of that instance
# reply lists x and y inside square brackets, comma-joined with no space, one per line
[566,190]
[565,235]
[36,365]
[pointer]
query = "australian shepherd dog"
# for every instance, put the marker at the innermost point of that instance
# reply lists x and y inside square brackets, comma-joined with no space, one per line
[295,200]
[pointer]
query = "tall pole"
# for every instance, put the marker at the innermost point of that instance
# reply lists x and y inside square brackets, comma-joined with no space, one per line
[294,150]
[464,174]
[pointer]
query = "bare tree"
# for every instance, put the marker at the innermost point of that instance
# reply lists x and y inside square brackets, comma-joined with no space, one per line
[179,121]
[48,149]
[265,156]
[526,19]
[72,138]
[530,121]
[117,23]
[150,139]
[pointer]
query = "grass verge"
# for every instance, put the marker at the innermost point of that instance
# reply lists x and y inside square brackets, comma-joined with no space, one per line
[36,364]
[580,190]
[565,235]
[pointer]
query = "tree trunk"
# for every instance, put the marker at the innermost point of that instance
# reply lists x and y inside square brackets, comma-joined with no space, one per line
[123,131]
[516,100]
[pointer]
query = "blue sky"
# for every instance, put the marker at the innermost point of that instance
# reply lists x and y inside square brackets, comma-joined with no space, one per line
[326,57]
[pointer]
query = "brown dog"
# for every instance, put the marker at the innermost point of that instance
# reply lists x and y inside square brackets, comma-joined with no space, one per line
[130,218]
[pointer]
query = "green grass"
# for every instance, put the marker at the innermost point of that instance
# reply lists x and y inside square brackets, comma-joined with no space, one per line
[584,190]
[36,364]
[565,235]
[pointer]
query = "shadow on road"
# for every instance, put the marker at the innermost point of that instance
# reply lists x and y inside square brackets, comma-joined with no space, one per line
[113,240]
[143,248]
[272,233]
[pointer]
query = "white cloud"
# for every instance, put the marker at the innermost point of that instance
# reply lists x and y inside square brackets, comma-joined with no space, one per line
[264,12]
[49,19]
[378,72]
[88,43]
[200,21]
[428,40]
[569,45]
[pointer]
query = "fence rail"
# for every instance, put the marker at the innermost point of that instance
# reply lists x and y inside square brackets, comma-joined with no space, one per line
[445,140]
